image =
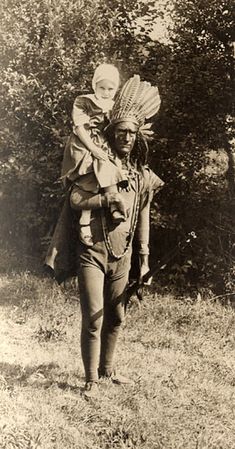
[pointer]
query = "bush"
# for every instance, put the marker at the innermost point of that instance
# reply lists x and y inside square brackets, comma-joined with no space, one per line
[49,52]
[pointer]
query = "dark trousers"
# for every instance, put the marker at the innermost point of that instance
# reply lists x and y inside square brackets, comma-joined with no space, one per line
[102,282]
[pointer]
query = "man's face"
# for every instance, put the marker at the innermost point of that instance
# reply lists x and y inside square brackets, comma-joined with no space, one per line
[125,136]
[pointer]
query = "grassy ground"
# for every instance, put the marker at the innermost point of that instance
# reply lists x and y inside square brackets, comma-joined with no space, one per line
[180,354]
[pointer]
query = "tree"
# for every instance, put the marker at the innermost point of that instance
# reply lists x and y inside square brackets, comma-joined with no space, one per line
[49,52]
[197,84]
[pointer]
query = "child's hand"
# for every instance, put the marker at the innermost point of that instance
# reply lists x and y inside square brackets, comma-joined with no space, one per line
[99,154]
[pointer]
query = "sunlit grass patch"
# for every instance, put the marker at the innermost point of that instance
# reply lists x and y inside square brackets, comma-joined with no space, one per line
[179,353]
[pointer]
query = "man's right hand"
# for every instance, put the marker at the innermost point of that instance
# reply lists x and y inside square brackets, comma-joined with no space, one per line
[116,199]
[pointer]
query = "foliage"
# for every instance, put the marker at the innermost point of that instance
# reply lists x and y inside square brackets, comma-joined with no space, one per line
[196,76]
[49,52]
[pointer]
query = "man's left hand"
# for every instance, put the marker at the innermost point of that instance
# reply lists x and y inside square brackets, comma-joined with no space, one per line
[144,268]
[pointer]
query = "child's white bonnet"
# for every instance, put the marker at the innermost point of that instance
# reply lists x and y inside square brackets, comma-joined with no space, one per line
[106,72]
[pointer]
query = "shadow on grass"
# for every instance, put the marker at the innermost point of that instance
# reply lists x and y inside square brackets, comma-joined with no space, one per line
[18,261]
[37,376]
[18,289]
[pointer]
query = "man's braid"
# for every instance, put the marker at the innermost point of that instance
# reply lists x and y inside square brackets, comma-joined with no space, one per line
[140,151]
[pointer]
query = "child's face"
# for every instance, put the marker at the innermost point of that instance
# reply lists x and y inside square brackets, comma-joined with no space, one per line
[105,90]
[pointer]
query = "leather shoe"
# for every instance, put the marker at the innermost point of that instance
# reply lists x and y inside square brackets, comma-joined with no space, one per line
[91,390]
[116,378]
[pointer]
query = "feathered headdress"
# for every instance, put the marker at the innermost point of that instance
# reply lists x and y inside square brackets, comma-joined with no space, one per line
[136,102]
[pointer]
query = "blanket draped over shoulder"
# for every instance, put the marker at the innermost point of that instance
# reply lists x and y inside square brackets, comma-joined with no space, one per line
[61,255]
[61,258]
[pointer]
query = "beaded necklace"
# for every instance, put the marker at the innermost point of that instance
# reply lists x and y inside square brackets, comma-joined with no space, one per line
[133,224]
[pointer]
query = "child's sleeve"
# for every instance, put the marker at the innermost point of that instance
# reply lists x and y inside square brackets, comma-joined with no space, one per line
[80,112]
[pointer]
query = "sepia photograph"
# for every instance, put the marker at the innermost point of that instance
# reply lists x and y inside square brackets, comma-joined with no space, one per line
[117,224]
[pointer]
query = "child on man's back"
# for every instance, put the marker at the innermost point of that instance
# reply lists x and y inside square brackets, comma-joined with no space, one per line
[88,161]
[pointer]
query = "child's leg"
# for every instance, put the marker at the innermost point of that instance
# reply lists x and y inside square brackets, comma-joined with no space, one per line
[85,235]
[117,215]
[84,228]
[111,189]
[85,218]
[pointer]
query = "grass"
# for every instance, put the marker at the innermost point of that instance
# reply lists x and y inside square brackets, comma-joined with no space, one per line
[180,354]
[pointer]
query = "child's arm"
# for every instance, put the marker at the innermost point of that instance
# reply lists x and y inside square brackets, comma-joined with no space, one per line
[83,135]
[81,118]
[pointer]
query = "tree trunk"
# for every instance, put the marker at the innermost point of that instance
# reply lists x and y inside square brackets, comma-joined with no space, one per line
[230,174]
